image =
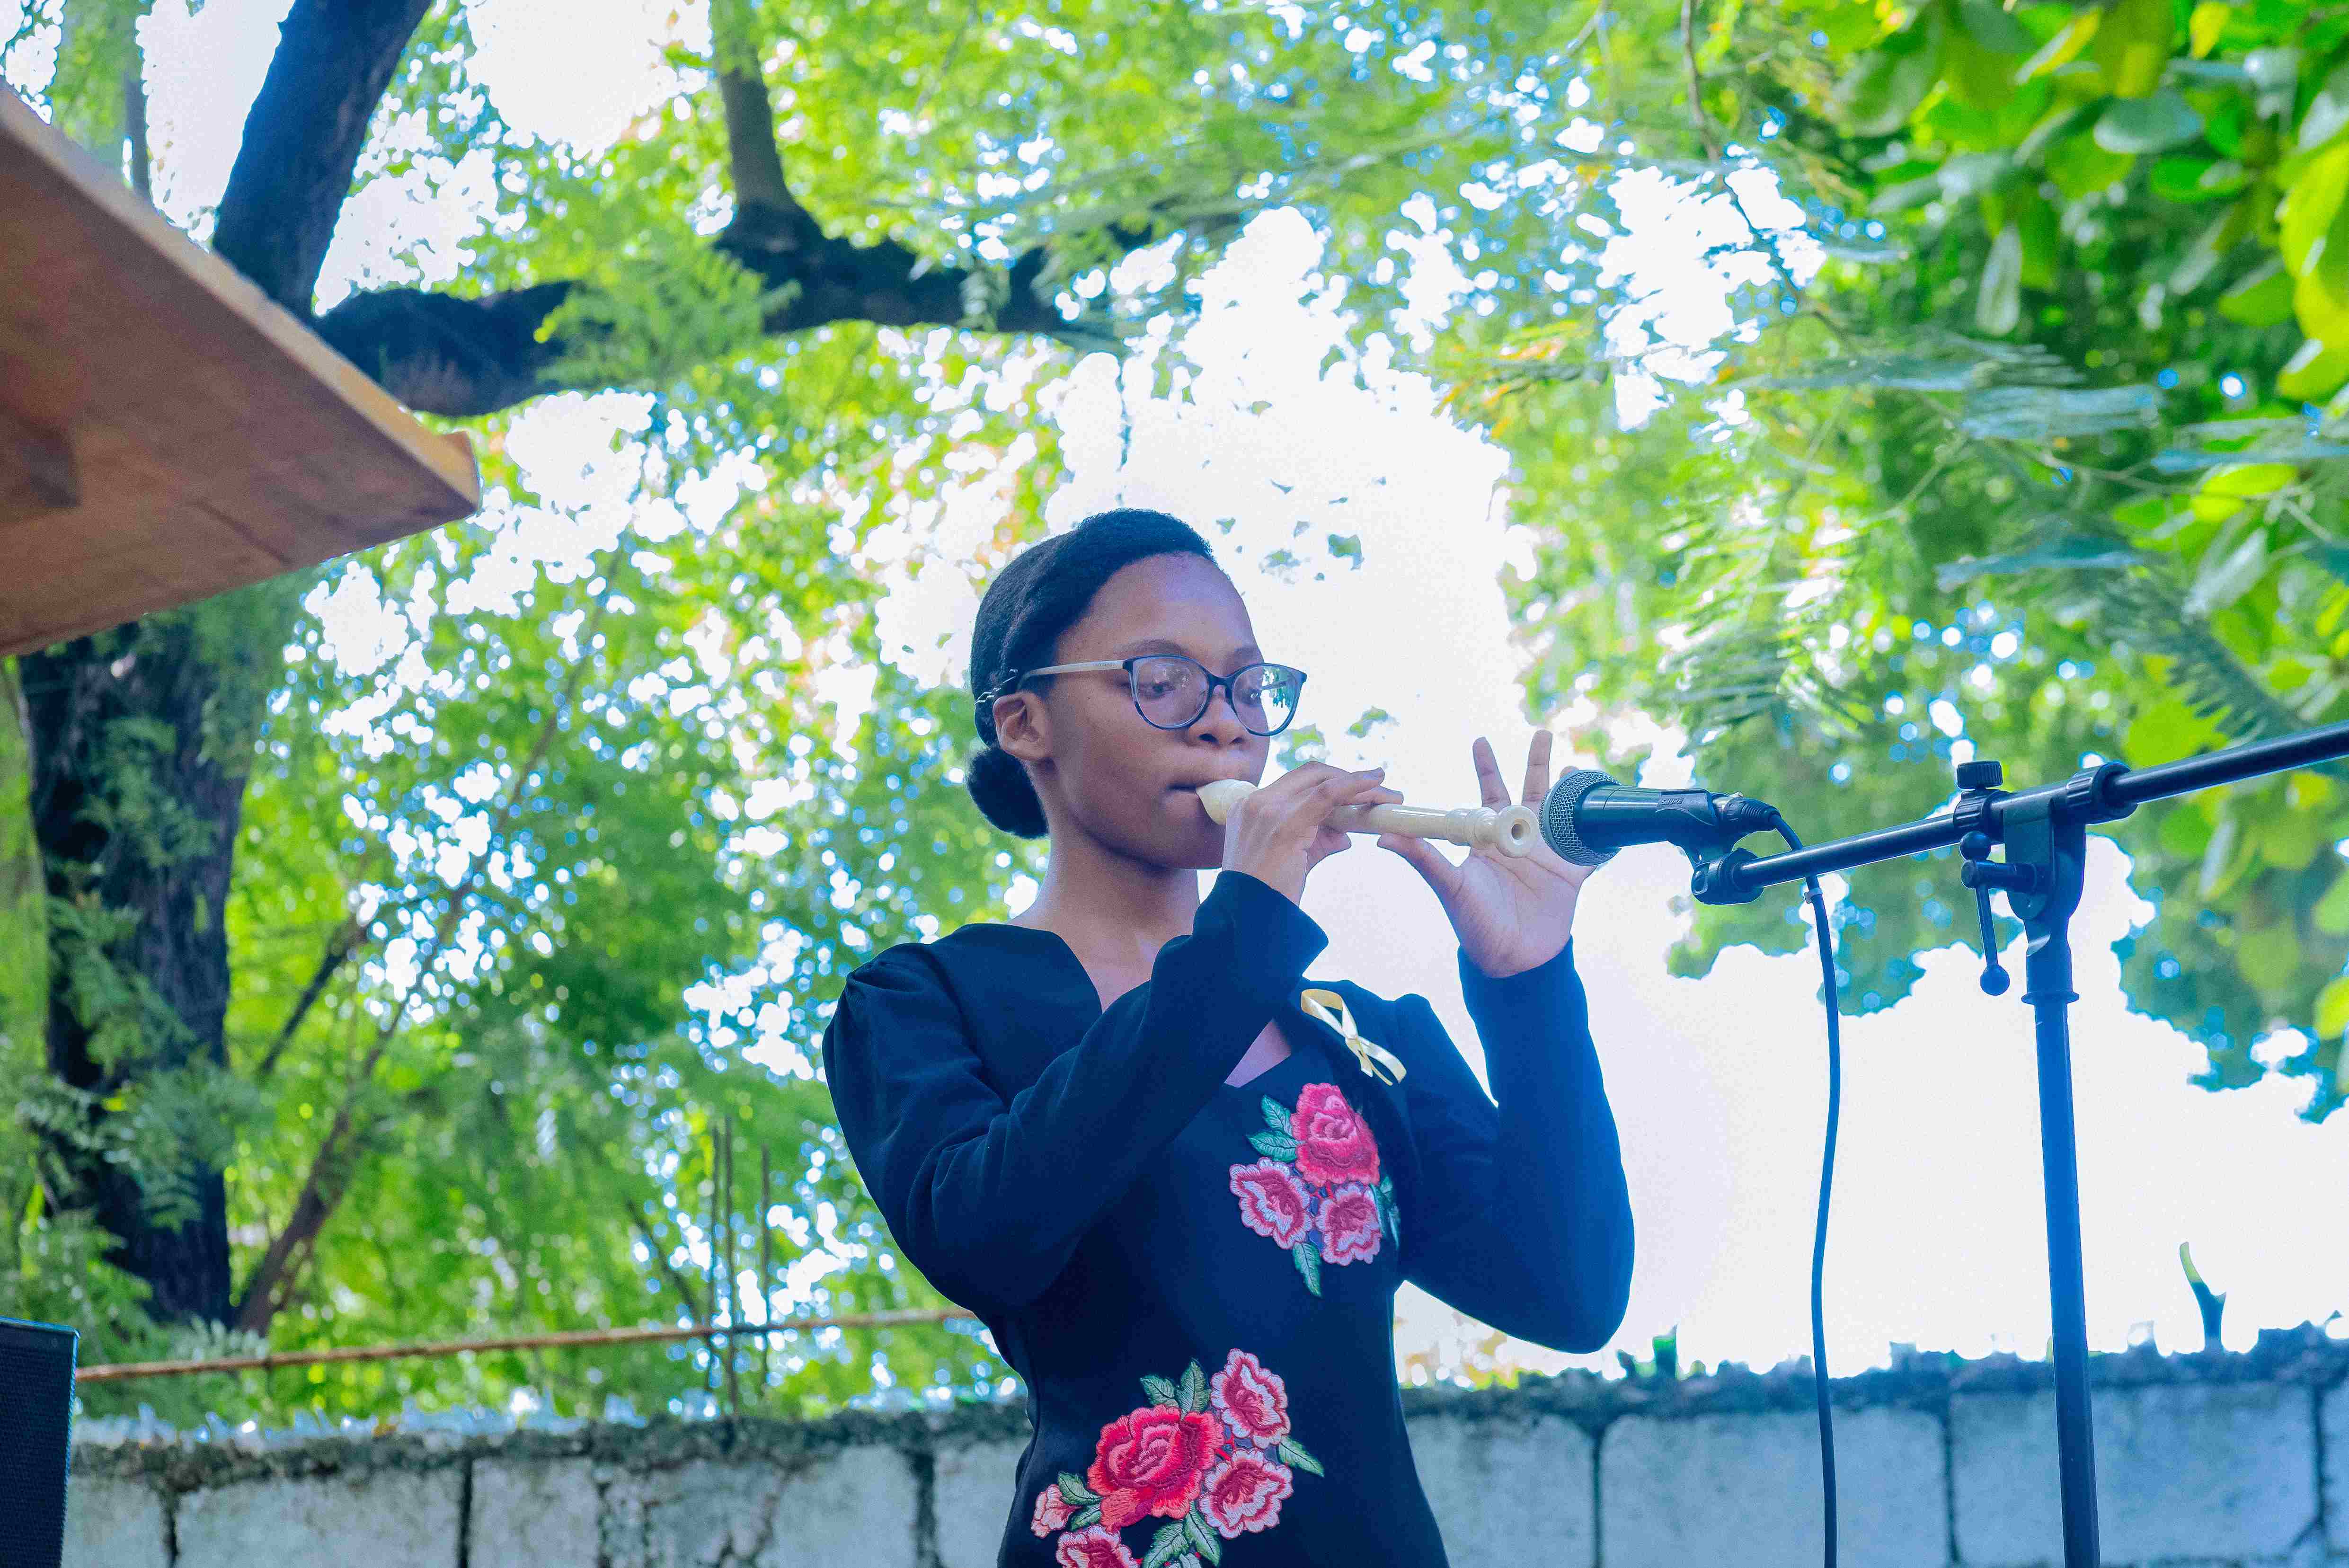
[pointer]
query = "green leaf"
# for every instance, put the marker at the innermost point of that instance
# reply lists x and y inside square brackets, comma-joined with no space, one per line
[2064,552]
[1998,307]
[1195,1388]
[1086,1518]
[1161,1391]
[1202,1537]
[2225,581]
[2332,915]
[1074,1492]
[2204,24]
[2063,48]
[1164,1546]
[1989,26]
[1293,1452]
[2309,207]
[2262,297]
[1276,1115]
[2151,124]
[2314,373]
[1884,89]
[2327,115]
[1273,1145]
[2132,47]
[1309,1264]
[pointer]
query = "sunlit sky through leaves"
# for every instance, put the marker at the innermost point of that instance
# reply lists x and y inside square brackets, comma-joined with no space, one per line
[1718,1084]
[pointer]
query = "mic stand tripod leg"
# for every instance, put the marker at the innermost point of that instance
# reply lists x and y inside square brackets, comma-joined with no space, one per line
[2045,835]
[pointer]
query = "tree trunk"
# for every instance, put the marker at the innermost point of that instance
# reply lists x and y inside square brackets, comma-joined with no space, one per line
[142,739]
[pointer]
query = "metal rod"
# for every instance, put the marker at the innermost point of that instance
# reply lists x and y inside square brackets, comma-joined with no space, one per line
[766,1263]
[2131,788]
[2281,755]
[121,1371]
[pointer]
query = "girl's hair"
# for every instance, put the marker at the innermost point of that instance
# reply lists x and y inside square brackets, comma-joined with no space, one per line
[1045,590]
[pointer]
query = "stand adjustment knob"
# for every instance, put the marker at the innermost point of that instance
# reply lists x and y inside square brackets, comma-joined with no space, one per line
[1983,775]
[1981,875]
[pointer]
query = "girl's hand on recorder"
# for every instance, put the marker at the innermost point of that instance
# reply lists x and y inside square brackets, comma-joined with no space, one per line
[1510,914]
[1281,832]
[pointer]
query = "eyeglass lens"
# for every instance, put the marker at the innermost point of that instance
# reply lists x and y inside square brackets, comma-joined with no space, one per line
[1172,692]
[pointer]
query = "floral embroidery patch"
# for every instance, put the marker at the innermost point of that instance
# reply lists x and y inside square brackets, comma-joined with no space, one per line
[1212,1455]
[1319,1191]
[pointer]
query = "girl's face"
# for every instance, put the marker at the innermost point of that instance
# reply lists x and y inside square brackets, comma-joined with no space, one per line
[1098,765]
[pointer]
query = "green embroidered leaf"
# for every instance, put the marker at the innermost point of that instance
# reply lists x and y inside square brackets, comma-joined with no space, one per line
[1164,1546]
[1202,1537]
[1309,1264]
[1274,1145]
[1189,1559]
[1195,1388]
[1091,1516]
[1294,1452]
[1276,1115]
[1074,1492]
[1160,1390]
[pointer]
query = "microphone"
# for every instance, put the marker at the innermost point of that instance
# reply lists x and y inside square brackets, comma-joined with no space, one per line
[1587,817]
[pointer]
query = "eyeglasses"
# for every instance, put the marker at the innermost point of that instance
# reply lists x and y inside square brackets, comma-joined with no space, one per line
[1171,691]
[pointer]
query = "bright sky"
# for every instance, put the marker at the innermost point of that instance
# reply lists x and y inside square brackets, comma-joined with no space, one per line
[1718,1084]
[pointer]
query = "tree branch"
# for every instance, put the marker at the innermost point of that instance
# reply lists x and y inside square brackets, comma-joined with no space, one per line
[467,358]
[274,1277]
[340,947]
[1696,82]
[302,140]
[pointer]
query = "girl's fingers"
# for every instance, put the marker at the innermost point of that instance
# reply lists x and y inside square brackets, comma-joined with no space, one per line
[1489,774]
[1426,860]
[1537,768]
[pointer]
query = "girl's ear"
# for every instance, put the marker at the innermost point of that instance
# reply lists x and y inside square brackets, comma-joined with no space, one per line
[1022,727]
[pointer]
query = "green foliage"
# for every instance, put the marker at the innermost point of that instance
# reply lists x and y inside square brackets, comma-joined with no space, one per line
[2040,465]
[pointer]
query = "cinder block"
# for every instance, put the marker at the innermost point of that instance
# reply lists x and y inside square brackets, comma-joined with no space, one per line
[855,1506]
[974,1490]
[2333,1416]
[1508,1490]
[2188,1471]
[379,1517]
[112,1523]
[1745,1489]
[533,1514]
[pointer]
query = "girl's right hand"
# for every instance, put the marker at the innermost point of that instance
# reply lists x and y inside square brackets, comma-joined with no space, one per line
[1281,832]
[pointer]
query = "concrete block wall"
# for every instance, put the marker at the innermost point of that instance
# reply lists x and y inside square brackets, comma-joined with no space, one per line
[2203,1461]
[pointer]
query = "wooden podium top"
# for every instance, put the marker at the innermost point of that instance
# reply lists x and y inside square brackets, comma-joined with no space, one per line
[167,432]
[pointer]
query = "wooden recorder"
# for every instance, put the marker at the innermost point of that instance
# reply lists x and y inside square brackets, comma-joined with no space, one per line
[1512,829]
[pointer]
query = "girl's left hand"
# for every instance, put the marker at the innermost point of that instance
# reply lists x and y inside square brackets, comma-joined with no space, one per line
[1510,914]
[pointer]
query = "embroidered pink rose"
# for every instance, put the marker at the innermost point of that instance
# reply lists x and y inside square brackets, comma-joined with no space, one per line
[1243,1492]
[1052,1512]
[1351,1225]
[1211,1456]
[1151,1460]
[1273,1201]
[1254,1402]
[1334,1142]
[1318,1190]
[1093,1548]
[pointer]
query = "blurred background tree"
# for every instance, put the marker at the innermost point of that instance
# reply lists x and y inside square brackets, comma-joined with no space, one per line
[362,997]
[357,999]
[2019,440]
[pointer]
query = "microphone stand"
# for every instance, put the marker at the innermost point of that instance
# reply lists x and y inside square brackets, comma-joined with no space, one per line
[2044,831]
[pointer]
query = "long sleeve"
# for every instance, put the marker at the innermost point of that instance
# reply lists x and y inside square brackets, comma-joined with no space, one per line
[1523,1218]
[989,1198]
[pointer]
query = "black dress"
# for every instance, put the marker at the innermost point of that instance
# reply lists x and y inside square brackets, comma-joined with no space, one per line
[1196,1280]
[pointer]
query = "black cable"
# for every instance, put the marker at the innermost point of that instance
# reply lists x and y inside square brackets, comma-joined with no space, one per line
[1827,1183]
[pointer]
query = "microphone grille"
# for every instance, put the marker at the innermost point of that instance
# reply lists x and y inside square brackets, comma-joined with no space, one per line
[1557,818]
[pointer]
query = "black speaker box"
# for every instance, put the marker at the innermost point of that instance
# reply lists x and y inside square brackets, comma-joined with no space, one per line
[36,1386]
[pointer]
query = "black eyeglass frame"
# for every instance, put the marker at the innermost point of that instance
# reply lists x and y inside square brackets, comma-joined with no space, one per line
[1206,700]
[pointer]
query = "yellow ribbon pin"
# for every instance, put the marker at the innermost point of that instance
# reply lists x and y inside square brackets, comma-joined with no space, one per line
[1330,1008]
